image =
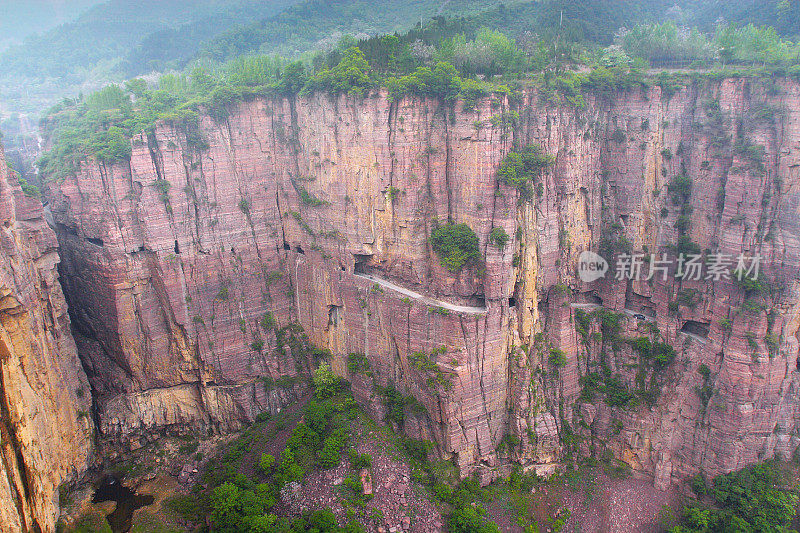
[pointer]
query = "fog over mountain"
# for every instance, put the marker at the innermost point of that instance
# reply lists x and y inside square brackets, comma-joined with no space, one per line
[20,19]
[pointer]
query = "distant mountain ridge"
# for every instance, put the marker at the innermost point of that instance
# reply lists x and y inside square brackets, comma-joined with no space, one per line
[119,39]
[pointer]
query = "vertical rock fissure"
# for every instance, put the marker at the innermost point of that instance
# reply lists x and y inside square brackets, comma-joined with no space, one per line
[9,435]
[447,162]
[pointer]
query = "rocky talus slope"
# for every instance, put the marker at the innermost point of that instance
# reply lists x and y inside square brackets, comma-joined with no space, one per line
[172,261]
[45,400]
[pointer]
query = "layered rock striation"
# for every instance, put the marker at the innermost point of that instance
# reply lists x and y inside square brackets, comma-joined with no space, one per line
[46,426]
[202,273]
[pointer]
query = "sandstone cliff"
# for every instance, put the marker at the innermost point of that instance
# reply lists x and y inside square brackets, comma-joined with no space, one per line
[171,264]
[45,400]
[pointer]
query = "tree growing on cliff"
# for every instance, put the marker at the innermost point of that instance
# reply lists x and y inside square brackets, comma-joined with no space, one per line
[456,245]
[351,76]
[326,382]
[441,82]
[520,169]
[499,237]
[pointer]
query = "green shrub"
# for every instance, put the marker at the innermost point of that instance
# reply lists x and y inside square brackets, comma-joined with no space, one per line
[557,358]
[186,507]
[331,453]
[357,363]
[395,404]
[498,237]
[266,462]
[680,187]
[518,169]
[162,186]
[699,485]
[351,75]
[257,345]
[456,245]
[268,321]
[309,199]
[111,146]
[441,82]
[326,382]
[751,499]
[359,460]
[31,191]
[469,519]
[619,136]
[616,392]
[471,91]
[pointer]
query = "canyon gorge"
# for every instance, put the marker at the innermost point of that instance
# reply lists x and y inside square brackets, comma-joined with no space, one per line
[208,275]
[46,429]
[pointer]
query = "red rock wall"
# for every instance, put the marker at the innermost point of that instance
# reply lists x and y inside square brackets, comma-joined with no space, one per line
[45,399]
[168,285]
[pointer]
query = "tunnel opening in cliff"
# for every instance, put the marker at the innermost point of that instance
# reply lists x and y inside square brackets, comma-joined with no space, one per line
[69,230]
[589,298]
[699,329]
[361,265]
[333,315]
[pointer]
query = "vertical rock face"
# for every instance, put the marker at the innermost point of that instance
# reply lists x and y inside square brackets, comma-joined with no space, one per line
[319,212]
[45,400]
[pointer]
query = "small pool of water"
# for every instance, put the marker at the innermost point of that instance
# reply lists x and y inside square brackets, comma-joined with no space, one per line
[121,518]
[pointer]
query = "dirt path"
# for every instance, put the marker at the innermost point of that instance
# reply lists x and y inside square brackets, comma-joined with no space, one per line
[417,296]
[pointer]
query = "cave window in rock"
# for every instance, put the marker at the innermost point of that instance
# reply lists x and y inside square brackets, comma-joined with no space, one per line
[299,250]
[177,248]
[69,230]
[362,263]
[512,302]
[692,327]
[286,246]
[334,312]
[590,298]
[96,242]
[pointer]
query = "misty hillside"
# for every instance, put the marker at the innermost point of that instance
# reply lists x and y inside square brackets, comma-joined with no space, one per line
[91,50]
[117,40]
[21,20]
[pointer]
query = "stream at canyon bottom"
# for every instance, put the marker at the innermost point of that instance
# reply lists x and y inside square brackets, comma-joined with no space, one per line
[121,518]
